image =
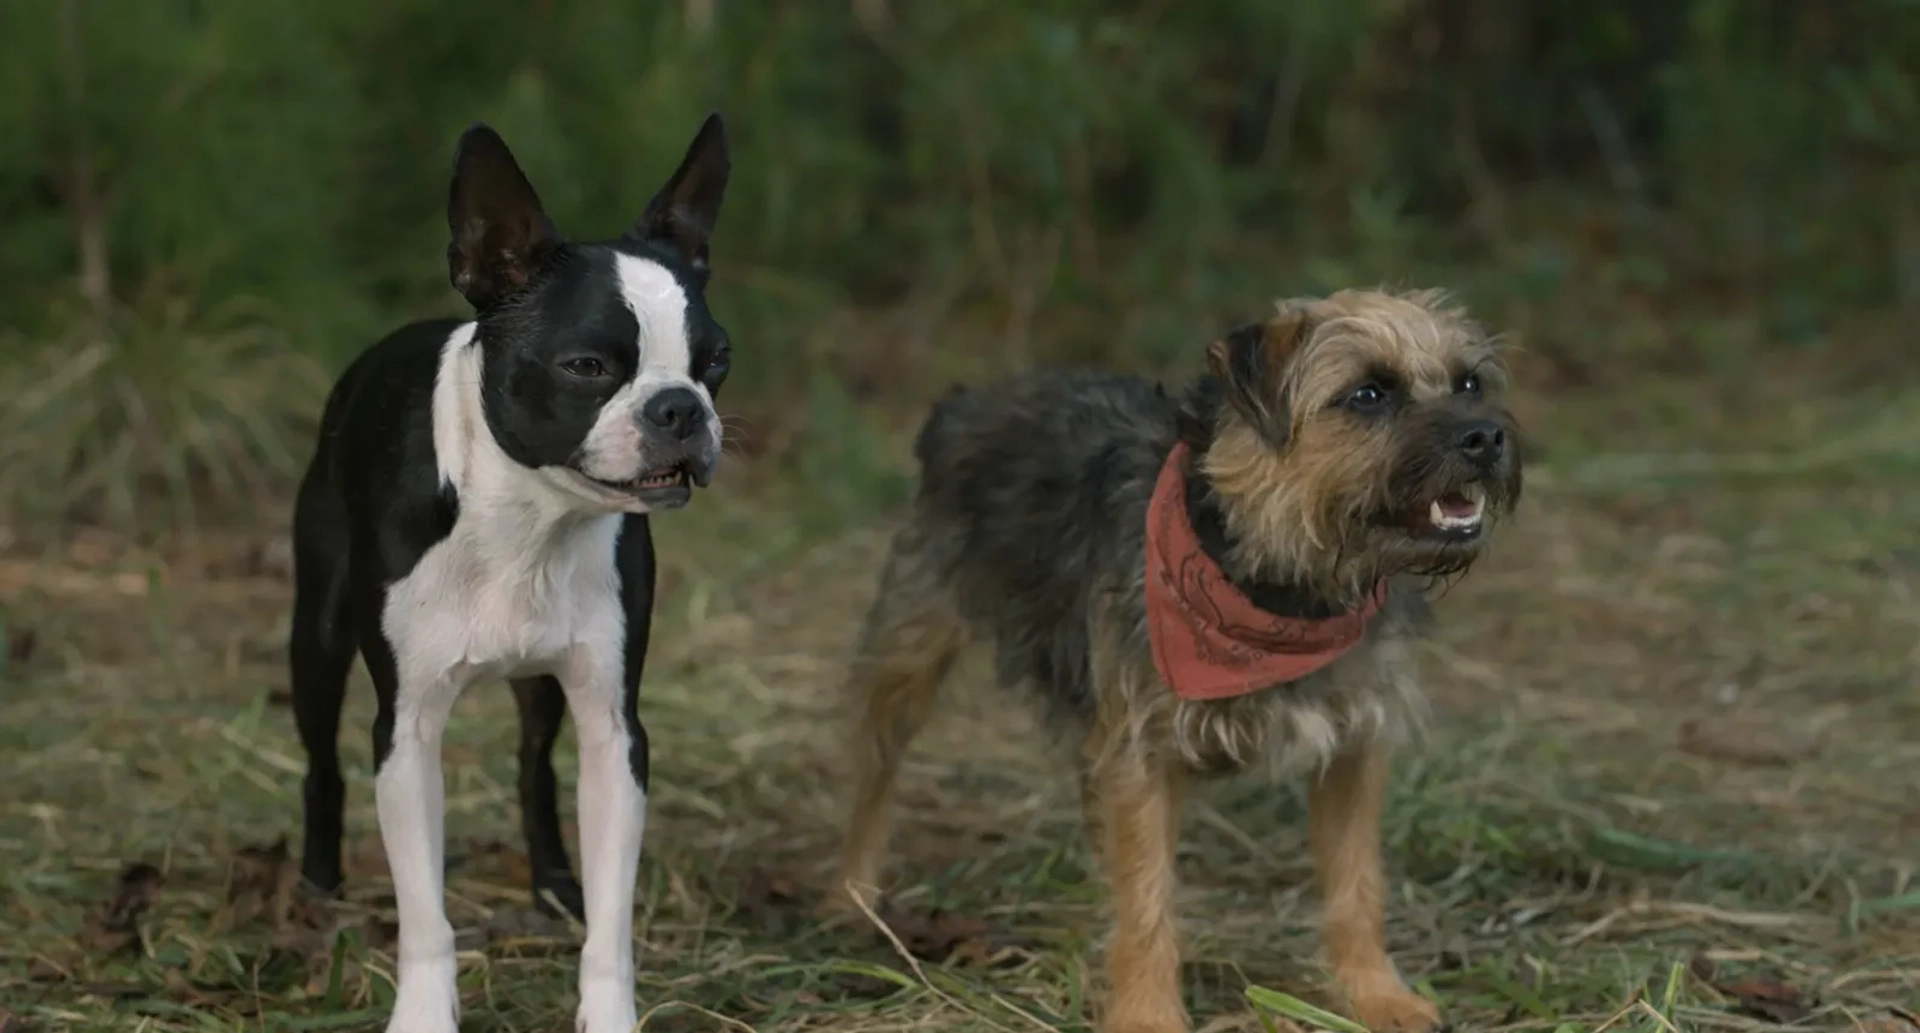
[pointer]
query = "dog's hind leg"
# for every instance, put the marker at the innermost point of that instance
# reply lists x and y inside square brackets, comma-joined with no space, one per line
[908,645]
[319,653]
[542,705]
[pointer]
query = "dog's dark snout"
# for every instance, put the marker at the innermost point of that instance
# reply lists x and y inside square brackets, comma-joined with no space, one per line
[1481,441]
[677,410]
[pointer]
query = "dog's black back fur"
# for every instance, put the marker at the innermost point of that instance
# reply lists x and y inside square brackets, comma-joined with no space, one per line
[1034,474]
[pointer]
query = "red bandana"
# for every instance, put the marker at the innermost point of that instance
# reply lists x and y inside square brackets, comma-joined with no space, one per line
[1209,640]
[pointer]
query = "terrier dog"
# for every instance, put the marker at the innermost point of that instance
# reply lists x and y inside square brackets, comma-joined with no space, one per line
[476,509]
[1201,586]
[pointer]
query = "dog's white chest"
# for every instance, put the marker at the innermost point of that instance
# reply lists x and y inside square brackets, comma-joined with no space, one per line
[486,602]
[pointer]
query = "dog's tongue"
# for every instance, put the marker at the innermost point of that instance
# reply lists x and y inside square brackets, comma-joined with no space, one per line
[1456,506]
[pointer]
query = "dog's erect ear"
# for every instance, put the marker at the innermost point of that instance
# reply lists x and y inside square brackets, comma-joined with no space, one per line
[682,215]
[501,235]
[1251,363]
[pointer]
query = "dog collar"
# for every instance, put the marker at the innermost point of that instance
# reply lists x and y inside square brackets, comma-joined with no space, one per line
[1209,640]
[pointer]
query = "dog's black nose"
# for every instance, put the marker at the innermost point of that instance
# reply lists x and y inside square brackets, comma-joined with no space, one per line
[677,410]
[1481,441]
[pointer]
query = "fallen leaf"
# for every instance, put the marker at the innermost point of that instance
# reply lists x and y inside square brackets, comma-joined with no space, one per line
[943,936]
[116,926]
[488,855]
[516,867]
[21,645]
[182,992]
[263,883]
[1742,743]
[763,890]
[1767,999]
[367,859]
[305,939]
[381,933]
[974,950]
[768,901]
[525,928]
[1900,1021]
[91,548]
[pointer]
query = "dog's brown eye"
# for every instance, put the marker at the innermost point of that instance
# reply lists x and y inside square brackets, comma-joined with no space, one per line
[584,367]
[1469,384]
[1367,396]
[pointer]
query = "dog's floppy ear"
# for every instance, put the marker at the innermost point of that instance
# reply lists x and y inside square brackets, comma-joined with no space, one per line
[682,215]
[1251,363]
[501,235]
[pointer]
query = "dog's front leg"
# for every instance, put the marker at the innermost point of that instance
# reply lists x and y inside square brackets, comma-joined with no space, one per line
[613,811]
[1344,827]
[410,797]
[1133,806]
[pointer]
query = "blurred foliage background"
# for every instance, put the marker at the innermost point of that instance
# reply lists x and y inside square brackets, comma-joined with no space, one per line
[207,205]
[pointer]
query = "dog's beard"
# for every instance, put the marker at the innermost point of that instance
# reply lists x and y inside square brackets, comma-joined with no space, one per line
[1355,544]
[1438,534]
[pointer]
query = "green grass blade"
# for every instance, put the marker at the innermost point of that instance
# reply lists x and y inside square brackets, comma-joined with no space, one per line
[1274,1002]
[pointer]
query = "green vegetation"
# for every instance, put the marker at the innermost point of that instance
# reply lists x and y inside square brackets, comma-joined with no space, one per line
[231,183]
[1672,785]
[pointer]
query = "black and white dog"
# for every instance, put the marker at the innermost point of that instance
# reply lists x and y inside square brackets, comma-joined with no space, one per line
[477,509]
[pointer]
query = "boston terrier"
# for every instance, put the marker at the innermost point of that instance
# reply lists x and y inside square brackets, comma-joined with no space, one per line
[476,509]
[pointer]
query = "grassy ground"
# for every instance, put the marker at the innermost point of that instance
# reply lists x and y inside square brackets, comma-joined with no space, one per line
[1675,783]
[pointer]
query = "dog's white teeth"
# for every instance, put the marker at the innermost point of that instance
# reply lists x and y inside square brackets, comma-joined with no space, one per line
[1438,514]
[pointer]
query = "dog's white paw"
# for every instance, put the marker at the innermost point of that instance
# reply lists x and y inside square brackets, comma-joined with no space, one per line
[422,1014]
[605,1009]
[427,1001]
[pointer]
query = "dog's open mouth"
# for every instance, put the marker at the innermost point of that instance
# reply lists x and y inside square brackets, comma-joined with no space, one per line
[1457,514]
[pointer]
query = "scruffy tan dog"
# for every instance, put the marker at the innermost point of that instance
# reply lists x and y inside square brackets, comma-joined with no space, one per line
[1198,587]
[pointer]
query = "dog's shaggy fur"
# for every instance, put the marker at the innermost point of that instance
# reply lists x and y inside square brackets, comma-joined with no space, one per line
[1320,442]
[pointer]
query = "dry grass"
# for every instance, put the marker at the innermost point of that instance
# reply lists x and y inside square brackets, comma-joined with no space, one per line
[126,419]
[1676,770]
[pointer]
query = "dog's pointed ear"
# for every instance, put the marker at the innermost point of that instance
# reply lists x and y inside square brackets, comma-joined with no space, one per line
[501,234]
[1251,365]
[682,215]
